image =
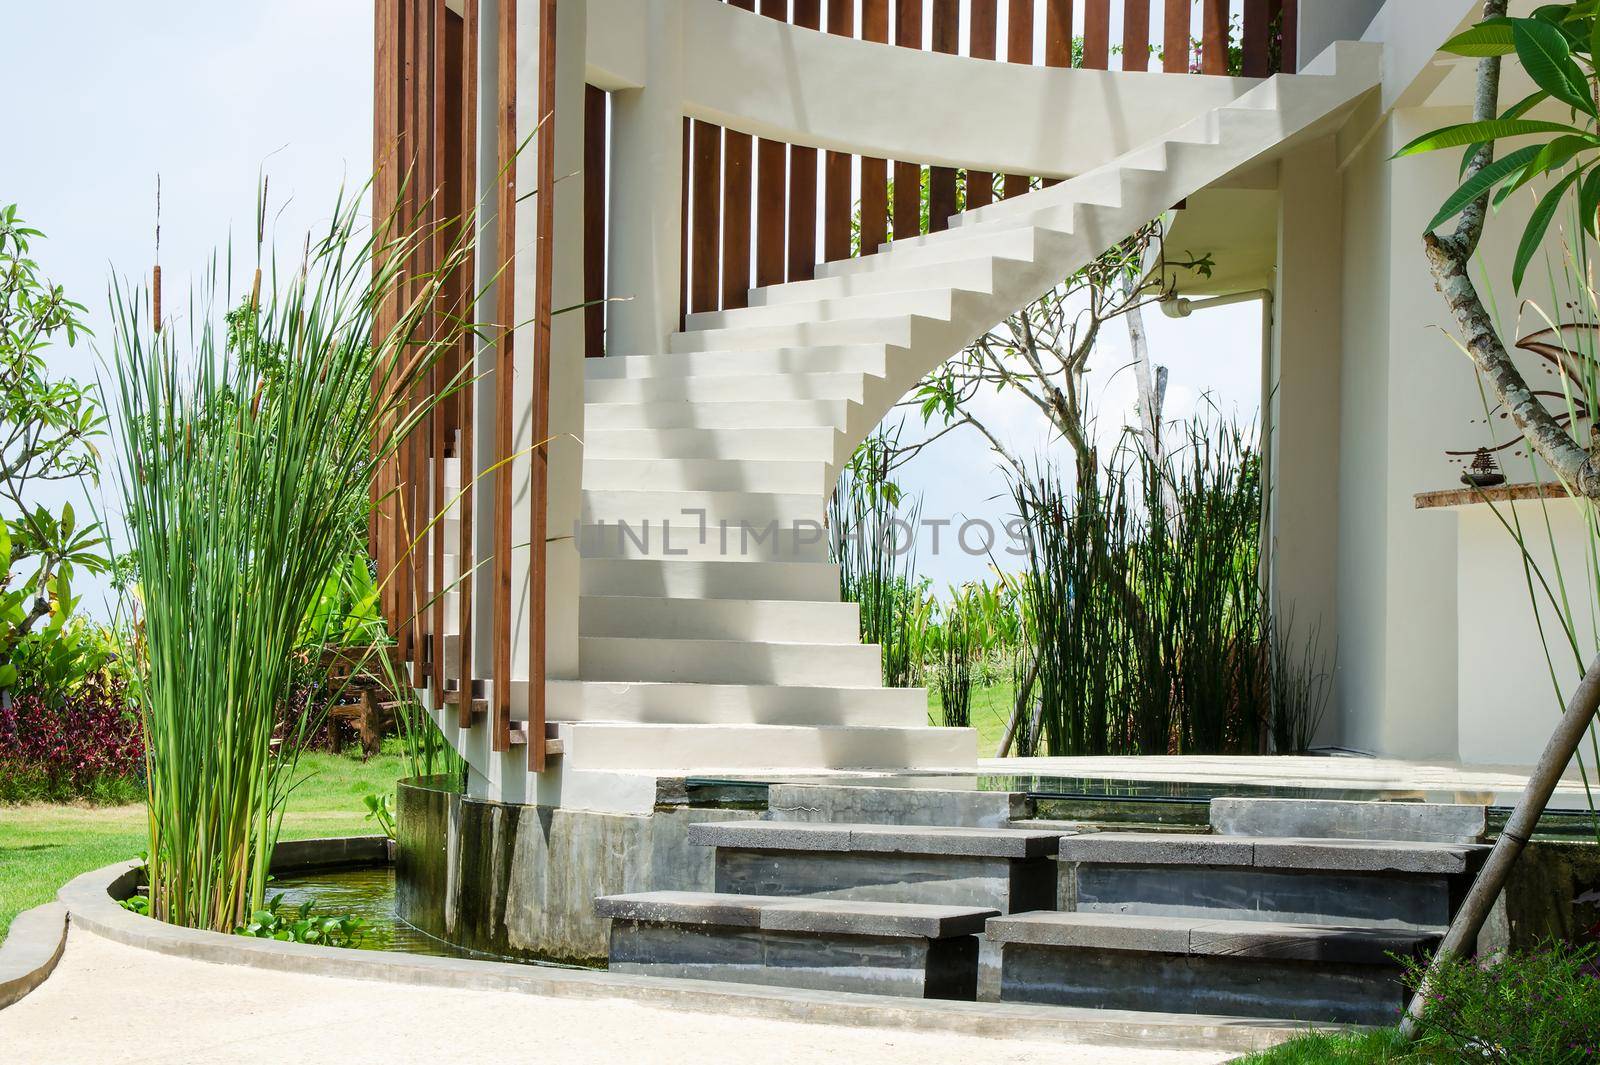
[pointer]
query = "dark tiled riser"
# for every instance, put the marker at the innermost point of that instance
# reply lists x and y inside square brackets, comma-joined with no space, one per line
[879,965]
[1200,966]
[1010,885]
[878,948]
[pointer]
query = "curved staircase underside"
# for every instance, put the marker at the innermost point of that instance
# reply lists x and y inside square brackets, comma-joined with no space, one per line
[712,638]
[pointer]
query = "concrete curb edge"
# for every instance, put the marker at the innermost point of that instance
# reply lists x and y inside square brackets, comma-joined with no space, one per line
[30,951]
[91,900]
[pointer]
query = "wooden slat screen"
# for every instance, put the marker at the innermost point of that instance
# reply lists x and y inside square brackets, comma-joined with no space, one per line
[730,219]
[425,134]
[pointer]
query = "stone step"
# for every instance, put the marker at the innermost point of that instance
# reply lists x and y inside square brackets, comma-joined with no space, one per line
[657,702]
[678,414]
[851,803]
[806,444]
[696,661]
[971,275]
[934,302]
[674,749]
[894,329]
[719,619]
[822,358]
[711,579]
[726,388]
[879,948]
[685,539]
[1009,870]
[1423,822]
[1320,973]
[715,475]
[688,507]
[869,838]
[1313,881]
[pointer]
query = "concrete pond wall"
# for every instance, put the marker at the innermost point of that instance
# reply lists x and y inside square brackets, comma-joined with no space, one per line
[519,881]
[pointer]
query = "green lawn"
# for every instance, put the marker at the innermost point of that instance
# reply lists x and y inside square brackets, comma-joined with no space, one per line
[1381,1047]
[991,710]
[42,846]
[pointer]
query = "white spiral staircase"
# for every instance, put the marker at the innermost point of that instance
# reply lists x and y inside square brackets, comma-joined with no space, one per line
[701,654]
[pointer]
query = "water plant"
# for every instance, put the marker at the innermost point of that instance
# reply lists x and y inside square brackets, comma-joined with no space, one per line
[238,491]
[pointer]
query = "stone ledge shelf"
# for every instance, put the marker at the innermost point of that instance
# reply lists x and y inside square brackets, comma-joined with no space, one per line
[1192,965]
[1261,852]
[910,950]
[877,839]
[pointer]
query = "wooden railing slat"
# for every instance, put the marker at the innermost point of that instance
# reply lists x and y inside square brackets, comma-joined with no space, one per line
[1019,49]
[1097,34]
[1214,36]
[1289,61]
[981,31]
[942,179]
[505,364]
[837,166]
[594,221]
[539,492]
[1175,37]
[465,452]
[874,172]
[1257,61]
[771,188]
[438,374]
[803,177]
[907,175]
[737,152]
[704,231]
[1136,35]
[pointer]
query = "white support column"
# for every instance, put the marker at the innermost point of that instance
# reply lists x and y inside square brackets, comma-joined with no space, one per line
[1303,406]
[645,238]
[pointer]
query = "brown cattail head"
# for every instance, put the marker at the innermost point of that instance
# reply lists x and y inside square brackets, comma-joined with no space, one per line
[255,401]
[255,291]
[155,298]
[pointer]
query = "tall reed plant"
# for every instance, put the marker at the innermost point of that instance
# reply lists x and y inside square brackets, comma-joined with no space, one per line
[871,537]
[1151,626]
[238,492]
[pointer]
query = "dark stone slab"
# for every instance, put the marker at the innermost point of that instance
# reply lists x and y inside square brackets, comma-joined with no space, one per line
[860,918]
[1156,848]
[1097,930]
[1354,855]
[1259,894]
[1343,819]
[1328,992]
[685,908]
[906,966]
[895,806]
[877,839]
[762,834]
[1301,942]
[1003,884]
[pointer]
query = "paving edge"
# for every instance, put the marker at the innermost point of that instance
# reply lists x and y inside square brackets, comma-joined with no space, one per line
[30,951]
[90,900]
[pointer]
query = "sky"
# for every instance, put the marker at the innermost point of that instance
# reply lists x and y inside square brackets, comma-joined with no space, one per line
[106,95]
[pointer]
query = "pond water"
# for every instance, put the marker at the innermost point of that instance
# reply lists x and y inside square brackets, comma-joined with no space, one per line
[367,893]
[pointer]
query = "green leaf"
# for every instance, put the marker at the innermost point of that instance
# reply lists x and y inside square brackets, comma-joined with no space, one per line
[1493,129]
[1538,224]
[1481,182]
[1516,110]
[1589,201]
[1489,37]
[1546,57]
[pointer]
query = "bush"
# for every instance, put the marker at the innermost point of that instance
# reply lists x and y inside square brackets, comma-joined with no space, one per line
[1539,1006]
[88,747]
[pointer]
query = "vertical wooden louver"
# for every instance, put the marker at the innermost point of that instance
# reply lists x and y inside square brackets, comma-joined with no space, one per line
[425,190]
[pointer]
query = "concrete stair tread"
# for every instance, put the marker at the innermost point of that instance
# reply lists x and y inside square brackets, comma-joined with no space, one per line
[1211,937]
[875,838]
[790,914]
[1265,852]
[712,748]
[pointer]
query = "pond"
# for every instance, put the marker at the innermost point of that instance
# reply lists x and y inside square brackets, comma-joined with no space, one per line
[368,892]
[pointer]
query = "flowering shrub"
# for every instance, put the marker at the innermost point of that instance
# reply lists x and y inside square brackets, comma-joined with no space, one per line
[89,746]
[1539,1006]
